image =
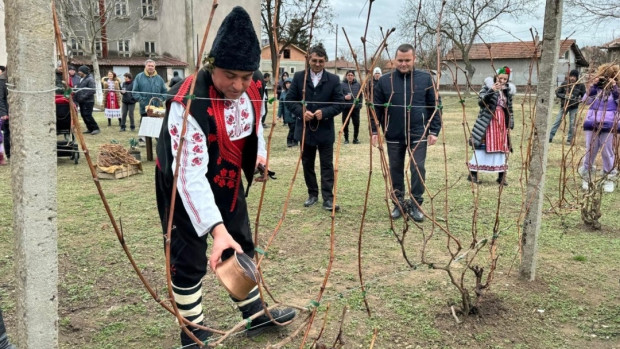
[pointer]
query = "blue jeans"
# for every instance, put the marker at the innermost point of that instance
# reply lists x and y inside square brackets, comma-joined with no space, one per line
[558,121]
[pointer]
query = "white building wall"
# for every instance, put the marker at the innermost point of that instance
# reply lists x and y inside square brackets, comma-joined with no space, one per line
[202,10]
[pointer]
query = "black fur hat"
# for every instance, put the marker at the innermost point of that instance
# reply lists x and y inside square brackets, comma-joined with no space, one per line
[84,69]
[236,45]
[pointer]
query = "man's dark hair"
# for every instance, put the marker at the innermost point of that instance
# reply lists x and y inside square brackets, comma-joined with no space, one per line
[128,75]
[266,75]
[319,50]
[176,73]
[405,48]
[2,68]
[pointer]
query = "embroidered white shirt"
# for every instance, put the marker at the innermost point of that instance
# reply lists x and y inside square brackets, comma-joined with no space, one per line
[192,184]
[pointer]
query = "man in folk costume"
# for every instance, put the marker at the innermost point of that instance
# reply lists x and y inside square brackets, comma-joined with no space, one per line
[223,142]
[490,135]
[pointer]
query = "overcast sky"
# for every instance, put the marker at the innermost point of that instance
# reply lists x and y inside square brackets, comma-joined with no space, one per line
[351,14]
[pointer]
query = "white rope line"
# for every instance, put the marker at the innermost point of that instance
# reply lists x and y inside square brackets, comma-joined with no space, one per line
[31,92]
[360,101]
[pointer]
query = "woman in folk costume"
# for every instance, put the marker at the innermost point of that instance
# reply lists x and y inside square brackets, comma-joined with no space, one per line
[602,125]
[111,92]
[222,146]
[490,135]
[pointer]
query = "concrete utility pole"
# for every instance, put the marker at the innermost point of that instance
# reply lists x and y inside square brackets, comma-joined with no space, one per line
[30,68]
[540,141]
[189,36]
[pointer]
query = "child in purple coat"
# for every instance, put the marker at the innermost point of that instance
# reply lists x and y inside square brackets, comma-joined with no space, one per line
[601,125]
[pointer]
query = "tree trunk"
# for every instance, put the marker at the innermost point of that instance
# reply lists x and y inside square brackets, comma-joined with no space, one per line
[471,70]
[97,77]
[540,140]
[30,47]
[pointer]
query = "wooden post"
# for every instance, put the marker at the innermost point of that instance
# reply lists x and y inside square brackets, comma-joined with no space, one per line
[540,140]
[30,47]
[189,36]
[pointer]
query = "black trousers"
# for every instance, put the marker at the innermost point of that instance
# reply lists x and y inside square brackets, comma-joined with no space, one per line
[188,258]
[7,138]
[355,117]
[86,110]
[290,138]
[326,158]
[397,153]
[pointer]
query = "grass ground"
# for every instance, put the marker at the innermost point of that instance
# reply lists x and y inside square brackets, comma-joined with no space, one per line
[574,302]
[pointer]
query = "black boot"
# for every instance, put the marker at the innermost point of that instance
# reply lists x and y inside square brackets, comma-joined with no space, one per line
[473,177]
[396,211]
[263,322]
[501,179]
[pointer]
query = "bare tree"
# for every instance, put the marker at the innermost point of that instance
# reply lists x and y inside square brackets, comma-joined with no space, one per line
[593,12]
[292,22]
[84,23]
[462,22]
[594,55]
[426,51]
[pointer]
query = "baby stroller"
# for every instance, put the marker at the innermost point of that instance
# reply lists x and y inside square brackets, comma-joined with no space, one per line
[67,147]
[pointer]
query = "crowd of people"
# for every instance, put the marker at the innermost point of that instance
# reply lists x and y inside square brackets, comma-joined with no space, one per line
[225,141]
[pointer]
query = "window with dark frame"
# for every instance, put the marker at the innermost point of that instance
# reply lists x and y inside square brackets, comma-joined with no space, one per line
[76,46]
[148,8]
[286,54]
[120,8]
[123,48]
[149,47]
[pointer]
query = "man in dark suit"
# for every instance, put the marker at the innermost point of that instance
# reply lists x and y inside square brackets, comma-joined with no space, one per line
[323,98]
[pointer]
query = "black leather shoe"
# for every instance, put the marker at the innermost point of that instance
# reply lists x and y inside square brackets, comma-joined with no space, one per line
[329,205]
[311,201]
[263,322]
[396,213]
[416,214]
[356,141]
[346,141]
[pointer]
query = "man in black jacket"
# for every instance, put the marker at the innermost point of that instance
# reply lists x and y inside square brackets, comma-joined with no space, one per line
[407,111]
[350,89]
[85,98]
[570,94]
[323,100]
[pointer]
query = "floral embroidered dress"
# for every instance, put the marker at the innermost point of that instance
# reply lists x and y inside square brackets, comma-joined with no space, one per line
[112,103]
